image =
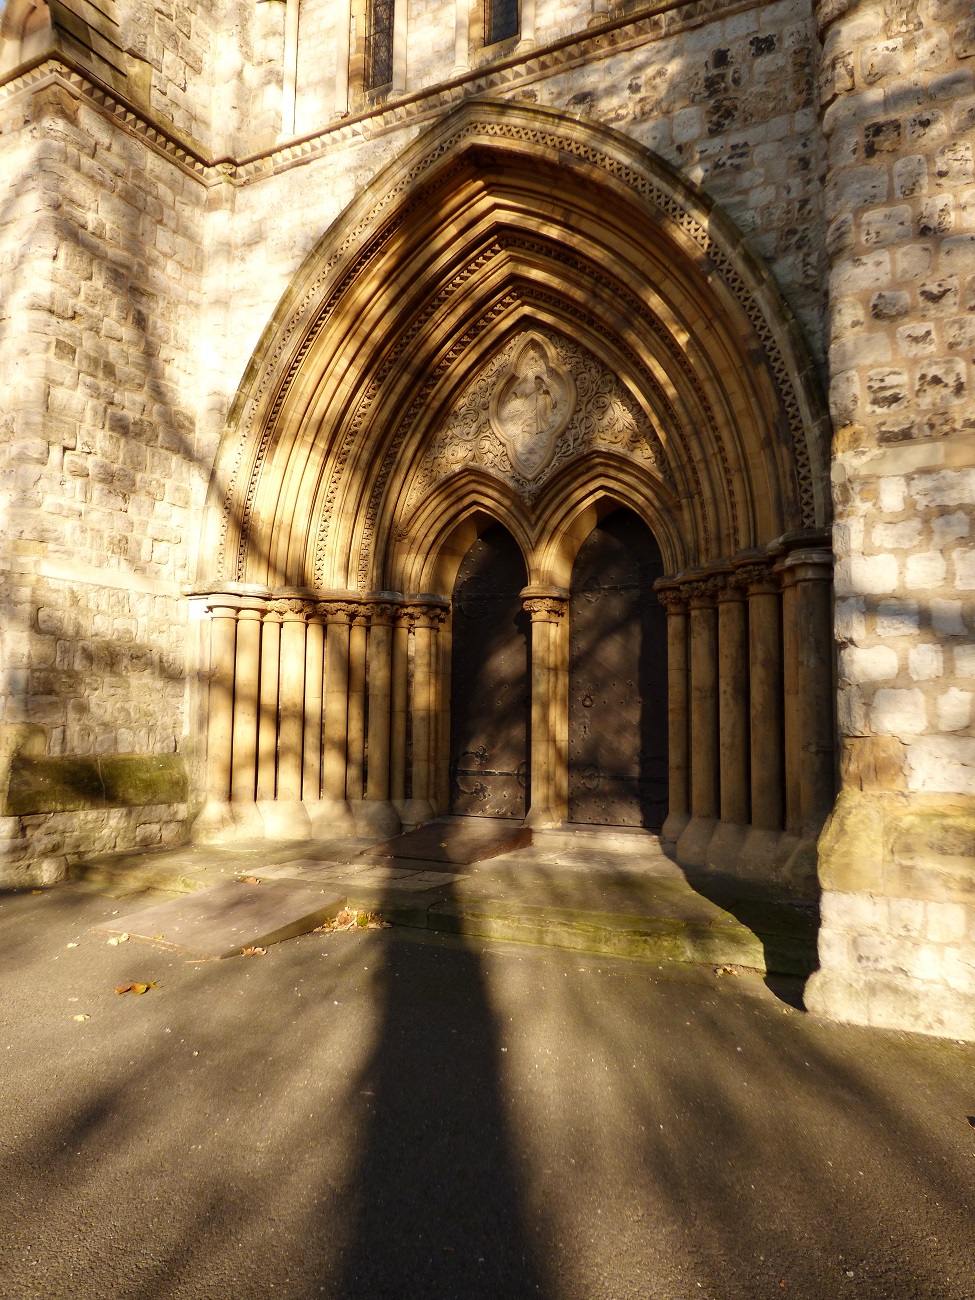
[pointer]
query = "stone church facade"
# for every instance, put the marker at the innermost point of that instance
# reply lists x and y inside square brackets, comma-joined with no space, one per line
[558,411]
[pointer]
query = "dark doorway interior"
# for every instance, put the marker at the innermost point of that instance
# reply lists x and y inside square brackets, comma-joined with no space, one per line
[489,691]
[617,678]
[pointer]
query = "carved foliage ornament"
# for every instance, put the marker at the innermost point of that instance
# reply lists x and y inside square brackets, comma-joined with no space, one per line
[537,403]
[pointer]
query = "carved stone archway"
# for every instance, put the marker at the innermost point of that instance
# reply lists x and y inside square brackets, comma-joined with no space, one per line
[532,321]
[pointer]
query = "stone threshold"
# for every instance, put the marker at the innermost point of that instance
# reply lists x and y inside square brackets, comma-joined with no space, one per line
[621,896]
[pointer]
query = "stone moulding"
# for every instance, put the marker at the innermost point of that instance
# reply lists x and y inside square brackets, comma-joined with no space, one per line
[359,236]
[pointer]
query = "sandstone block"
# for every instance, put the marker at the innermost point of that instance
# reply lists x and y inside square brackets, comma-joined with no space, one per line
[942,764]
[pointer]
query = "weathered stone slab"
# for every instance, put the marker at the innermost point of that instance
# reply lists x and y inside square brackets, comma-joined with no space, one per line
[454,842]
[219,922]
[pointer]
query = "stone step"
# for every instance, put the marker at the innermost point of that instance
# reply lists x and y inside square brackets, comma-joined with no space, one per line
[225,919]
[455,840]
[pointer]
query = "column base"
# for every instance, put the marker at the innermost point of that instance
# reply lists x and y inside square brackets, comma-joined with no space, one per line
[413,812]
[692,847]
[284,819]
[248,821]
[375,818]
[330,819]
[724,848]
[763,856]
[215,824]
[543,819]
[674,827]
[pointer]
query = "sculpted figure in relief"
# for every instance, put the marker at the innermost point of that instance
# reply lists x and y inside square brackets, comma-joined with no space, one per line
[537,403]
[531,406]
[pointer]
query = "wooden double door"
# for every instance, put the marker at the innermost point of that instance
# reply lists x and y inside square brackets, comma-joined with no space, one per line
[617,728]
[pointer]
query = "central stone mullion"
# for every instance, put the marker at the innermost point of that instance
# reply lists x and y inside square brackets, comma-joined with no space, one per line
[546,606]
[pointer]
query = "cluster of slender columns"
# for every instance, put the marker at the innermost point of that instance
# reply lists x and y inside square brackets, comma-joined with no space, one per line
[323,712]
[750,715]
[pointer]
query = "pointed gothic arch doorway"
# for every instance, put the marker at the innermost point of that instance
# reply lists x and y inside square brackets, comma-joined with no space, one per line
[490,704]
[617,678]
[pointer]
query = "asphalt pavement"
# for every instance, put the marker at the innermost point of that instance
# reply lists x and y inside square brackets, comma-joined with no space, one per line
[396,1113]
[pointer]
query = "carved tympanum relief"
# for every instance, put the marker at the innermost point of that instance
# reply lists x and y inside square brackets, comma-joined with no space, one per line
[537,403]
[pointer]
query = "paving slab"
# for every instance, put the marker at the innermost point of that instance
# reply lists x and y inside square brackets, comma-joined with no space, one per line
[455,841]
[222,920]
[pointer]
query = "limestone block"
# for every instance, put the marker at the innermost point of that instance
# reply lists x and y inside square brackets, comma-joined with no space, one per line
[898,712]
[925,661]
[954,710]
[868,664]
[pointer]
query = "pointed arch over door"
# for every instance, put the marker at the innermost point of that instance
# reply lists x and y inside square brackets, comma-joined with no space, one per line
[525,319]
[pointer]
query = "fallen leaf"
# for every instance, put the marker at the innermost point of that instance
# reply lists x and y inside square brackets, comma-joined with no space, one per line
[253,952]
[72,945]
[159,936]
[351,918]
[119,938]
[37,891]
[251,880]
[133,986]
[81,1017]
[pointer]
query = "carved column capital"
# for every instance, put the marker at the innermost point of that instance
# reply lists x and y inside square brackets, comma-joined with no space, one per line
[757,579]
[672,597]
[704,591]
[424,611]
[293,609]
[545,604]
[337,611]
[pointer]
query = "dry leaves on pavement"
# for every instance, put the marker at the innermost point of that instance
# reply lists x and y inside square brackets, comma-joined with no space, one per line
[354,918]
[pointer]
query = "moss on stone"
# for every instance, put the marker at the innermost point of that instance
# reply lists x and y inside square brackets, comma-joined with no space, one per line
[72,784]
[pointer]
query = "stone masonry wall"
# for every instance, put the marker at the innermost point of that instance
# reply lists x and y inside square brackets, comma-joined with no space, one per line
[731,103]
[101,264]
[898,90]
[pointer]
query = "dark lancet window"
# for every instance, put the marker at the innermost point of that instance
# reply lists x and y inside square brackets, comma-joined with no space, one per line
[500,20]
[379,43]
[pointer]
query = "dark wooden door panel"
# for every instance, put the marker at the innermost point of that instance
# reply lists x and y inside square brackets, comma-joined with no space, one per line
[617,679]
[489,701]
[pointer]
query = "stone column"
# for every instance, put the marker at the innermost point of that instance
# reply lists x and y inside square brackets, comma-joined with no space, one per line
[400,35]
[692,845]
[287,818]
[377,813]
[462,22]
[547,608]
[765,695]
[311,775]
[333,816]
[427,613]
[289,87]
[527,25]
[792,724]
[267,734]
[343,55]
[733,754]
[215,821]
[674,599]
[807,576]
[766,848]
[399,708]
[356,732]
[247,671]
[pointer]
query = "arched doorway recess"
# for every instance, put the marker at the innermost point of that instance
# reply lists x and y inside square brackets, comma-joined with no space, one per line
[617,678]
[531,321]
[489,697]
